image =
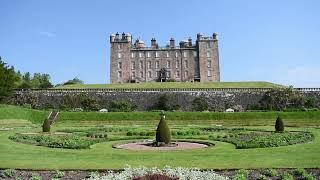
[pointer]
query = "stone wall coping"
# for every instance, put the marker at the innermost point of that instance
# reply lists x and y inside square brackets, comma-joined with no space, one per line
[164,90]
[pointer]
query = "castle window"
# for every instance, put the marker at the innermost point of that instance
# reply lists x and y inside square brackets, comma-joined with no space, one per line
[157,74]
[168,54]
[186,65]
[149,64]
[209,73]
[120,65]
[133,55]
[168,64]
[157,64]
[177,74]
[176,54]
[119,74]
[119,55]
[195,53]
[168,74]
[149,74]
[177,64]
[186,74]
[140,55]
[133,74]
[141,64]
[185,54]
[141,74]
[148,54]
[157,54]
[209,64]
[119,46]
[208,54]
[133,64]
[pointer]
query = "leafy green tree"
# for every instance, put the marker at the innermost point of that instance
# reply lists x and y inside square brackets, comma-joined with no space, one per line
[199,104]
[279,126]
[120,106]
[311,102]
[163,134]
[73,81]
[163,103]
[8,78]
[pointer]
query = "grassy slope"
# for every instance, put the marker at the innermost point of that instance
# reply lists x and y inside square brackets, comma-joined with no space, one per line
[14,112]
[173,118]
[249,84]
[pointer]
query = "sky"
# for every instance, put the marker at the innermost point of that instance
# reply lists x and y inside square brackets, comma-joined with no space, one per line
[267,40]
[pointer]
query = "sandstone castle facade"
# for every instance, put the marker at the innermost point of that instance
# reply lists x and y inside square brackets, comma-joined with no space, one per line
[188,62]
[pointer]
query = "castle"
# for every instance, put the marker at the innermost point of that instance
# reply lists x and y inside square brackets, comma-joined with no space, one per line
[187,62]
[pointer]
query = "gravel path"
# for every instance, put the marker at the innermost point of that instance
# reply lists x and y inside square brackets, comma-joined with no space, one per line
[144,146]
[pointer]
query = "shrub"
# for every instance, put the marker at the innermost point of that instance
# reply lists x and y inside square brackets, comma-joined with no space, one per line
[59,174]
[46,126]
[89,104]
[242,174]
[299,171]
[200,104]
[120,106]
[279,126]
[9,173]
[35,176]
[163,132]
[307,176]
[270,172]
[262,177]
[163,103]
[286,176]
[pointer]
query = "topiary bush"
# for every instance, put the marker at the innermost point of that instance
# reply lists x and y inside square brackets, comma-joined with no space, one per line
[46,126]
[279,126]
[163,134]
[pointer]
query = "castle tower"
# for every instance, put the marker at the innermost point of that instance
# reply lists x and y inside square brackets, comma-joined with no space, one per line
[208,54]
[120,57]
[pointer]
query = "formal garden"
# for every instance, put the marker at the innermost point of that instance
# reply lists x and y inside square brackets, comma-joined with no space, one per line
[167,145]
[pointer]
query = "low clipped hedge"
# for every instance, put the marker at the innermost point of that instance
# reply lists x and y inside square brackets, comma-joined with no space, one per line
[56,141]
[263,140]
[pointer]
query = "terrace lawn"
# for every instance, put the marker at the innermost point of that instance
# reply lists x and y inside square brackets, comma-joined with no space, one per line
[103,156]
[175,85]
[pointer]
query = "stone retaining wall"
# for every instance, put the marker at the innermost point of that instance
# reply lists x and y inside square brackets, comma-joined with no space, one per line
[218,99]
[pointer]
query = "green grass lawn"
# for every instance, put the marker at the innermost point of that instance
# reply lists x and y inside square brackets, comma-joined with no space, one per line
[103,156]
[176,85]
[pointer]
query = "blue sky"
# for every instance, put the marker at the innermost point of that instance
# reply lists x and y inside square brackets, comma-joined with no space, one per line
[271,40]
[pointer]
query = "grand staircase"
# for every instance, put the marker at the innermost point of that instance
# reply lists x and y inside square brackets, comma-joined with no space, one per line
[53,116]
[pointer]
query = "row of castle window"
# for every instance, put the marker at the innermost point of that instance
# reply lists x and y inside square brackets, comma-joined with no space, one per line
[157,54]
[185,54]
[168,74]
[157,64]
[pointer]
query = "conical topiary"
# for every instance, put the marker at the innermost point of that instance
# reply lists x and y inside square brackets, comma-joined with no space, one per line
[163,134]
[46,126]
[279,126]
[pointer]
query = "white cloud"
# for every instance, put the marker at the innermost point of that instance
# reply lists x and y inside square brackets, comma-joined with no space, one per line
[47,34]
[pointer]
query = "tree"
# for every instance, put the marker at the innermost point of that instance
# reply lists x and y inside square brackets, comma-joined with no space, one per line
[279,126]
[163,134]
[163,103]
[73,81]
[8,77]
[199,104]
[26,81]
